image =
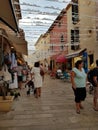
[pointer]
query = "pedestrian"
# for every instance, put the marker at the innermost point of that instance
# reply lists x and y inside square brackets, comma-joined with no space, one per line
[59,73]
[35,72]
[46,67]
[78,80]
[95,79]
[19,70]
[29,83]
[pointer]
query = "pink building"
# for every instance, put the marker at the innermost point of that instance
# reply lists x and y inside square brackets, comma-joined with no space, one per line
[58,36]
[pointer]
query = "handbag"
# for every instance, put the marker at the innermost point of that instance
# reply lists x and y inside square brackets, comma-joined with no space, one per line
[6,74]
[42,72]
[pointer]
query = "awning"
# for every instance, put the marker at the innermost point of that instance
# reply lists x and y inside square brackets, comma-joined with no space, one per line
[19,43]
[21,48]
[75,54]
[7,14]
[61,59]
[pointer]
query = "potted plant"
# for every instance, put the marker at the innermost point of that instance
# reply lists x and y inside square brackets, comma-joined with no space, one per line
[14,93]
[5,100]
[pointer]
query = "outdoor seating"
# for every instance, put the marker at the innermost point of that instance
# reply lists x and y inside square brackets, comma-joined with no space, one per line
[53,75]
[65,76]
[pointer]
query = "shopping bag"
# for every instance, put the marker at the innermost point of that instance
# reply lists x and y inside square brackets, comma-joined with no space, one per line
[6,74]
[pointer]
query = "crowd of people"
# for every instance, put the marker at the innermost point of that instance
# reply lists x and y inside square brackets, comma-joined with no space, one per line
[34,77]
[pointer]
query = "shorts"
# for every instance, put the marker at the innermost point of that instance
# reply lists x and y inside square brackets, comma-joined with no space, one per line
[19,78]
[80,94]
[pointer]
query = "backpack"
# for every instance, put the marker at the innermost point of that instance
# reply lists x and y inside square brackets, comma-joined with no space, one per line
[90,75]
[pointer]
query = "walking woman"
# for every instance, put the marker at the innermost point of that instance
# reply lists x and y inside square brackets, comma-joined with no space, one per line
[35,72]
[78,80]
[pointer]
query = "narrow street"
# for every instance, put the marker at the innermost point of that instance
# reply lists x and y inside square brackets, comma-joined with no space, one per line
[54,110]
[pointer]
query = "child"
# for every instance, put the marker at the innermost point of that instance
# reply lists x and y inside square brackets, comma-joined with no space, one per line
[30,84]
[30,87]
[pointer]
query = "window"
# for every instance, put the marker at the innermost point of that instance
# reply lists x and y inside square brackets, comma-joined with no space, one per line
[75,16]
[51,48]
[62,42]
[59,24]
[61,47]
[62,38]
[75,39]
[96,33]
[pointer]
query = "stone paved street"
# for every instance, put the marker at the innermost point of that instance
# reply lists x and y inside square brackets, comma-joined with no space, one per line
[54,110]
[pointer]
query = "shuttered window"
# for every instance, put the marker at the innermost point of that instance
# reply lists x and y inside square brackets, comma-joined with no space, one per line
[75,39]
[75,15]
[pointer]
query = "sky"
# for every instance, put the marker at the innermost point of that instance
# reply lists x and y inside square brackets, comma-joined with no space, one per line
[37,17]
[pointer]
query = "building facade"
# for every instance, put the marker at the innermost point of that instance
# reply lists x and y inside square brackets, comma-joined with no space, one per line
[58,38]
[81,33]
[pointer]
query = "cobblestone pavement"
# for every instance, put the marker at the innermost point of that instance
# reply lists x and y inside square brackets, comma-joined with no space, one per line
[54,110]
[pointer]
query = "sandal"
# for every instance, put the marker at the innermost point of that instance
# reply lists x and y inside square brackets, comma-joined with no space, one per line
[96,109]
[78,111]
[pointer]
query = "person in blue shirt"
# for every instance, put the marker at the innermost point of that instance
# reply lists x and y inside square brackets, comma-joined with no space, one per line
[78,80]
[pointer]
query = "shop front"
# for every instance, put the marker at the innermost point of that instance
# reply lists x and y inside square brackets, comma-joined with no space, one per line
[9,56]
[58,61]
[79,55]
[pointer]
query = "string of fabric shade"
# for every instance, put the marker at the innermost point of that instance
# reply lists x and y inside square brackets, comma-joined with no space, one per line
[94,18]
